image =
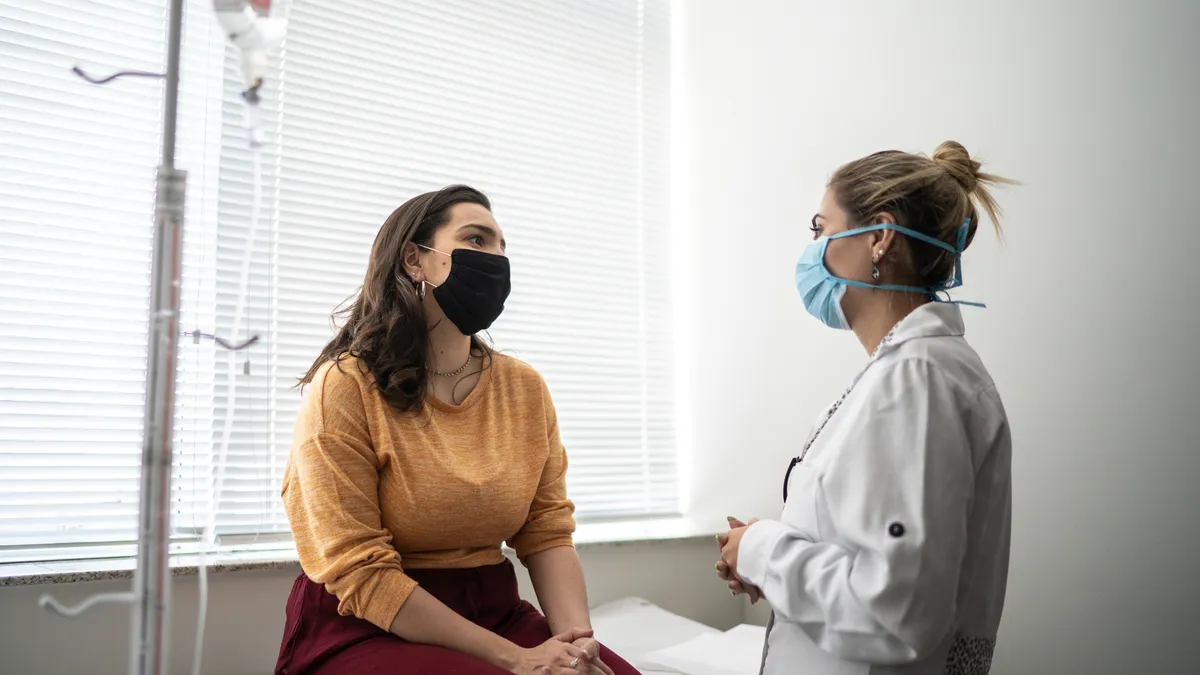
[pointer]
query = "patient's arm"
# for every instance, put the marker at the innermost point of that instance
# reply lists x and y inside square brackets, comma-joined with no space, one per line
[425,620]
[544,542]
[557,578]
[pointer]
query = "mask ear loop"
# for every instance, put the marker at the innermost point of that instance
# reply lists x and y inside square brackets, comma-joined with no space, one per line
[961,245]
[423,283]
[936,291]
[430,248]
[943,289]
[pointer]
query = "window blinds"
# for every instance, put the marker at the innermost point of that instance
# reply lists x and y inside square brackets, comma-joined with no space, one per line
[76,191]
[557,110]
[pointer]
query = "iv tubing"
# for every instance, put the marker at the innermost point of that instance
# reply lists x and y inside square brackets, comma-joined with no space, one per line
[208,536]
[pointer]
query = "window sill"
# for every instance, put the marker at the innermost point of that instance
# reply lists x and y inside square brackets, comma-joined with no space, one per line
[283,557]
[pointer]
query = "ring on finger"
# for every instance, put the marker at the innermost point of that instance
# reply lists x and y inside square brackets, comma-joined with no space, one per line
[574,663]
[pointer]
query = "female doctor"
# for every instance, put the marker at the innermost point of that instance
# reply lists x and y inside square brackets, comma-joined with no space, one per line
[891,555]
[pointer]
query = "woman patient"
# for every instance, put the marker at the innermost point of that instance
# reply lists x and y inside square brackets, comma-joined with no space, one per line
[417,452]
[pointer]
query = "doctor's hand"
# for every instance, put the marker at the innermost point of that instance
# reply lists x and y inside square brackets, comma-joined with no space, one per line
[737,585]
[728,573]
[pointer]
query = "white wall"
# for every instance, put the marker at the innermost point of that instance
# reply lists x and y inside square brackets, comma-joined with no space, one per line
[1092,315]
[246,611]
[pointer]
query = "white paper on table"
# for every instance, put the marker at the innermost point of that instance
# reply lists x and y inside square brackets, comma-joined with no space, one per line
[737,652]
[633,627]
[749,632]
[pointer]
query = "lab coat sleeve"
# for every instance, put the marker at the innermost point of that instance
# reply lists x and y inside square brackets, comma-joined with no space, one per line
[898,490]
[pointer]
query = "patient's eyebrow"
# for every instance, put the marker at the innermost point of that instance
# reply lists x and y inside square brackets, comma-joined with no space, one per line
[486,230]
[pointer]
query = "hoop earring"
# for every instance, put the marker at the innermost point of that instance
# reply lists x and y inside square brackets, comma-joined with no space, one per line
[421,290]
[874,272]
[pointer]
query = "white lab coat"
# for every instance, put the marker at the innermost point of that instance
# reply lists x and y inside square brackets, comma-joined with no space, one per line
[891,555]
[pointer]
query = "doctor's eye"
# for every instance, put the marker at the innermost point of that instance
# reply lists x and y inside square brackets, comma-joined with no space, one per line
[476,239]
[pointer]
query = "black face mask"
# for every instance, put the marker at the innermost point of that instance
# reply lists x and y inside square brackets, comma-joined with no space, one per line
[473,296]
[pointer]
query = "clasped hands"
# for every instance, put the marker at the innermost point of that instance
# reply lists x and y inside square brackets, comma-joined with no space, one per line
[574,652]
[727,565]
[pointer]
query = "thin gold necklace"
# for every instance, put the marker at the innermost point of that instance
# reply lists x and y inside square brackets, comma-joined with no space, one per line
[455,373]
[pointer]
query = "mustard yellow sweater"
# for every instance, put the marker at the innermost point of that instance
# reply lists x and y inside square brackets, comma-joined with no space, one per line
[369,491]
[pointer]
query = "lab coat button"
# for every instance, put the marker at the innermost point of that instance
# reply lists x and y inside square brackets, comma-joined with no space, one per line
[896,530]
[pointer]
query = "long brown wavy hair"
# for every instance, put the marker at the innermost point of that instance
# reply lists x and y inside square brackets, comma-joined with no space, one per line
[383,324]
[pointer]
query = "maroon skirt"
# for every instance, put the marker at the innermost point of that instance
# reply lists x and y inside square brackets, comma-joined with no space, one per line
[319,641]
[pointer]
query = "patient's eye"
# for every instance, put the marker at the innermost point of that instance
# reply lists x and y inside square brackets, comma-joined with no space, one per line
[476,239]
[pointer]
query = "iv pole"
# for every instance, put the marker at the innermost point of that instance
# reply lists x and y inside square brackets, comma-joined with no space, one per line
[253,34]
[149,641]
[149,637]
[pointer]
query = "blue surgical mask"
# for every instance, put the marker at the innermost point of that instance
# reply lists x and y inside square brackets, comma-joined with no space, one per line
[822,292]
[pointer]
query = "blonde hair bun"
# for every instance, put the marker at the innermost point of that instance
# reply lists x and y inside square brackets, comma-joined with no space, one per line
[956,161]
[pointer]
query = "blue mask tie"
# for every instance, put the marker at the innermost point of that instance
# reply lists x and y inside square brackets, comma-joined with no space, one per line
[822,292]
